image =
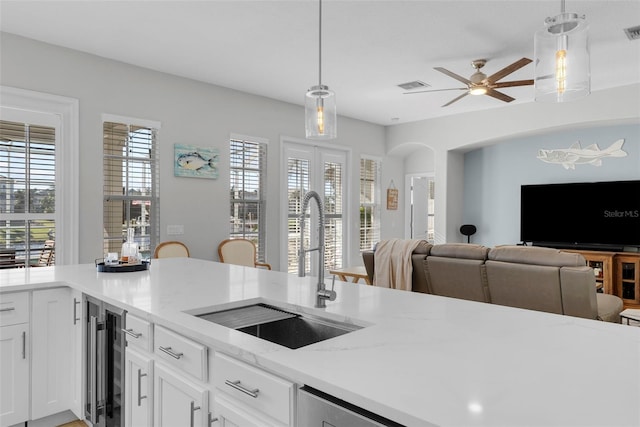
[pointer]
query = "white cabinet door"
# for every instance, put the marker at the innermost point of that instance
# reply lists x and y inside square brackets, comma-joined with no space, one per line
[14,374]
[231,414]
[52,325]
[138,390]
[178,401]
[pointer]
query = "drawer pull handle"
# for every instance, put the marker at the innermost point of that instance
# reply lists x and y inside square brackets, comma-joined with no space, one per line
[170,352]
[7,309]
[131,333]
[236,384]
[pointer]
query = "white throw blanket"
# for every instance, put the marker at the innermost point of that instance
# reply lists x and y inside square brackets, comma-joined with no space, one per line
[393,267]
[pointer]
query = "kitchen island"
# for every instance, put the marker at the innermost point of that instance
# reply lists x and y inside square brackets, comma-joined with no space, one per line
[419,359]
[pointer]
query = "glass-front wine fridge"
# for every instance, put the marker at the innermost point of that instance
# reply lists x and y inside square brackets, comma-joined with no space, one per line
[105,351]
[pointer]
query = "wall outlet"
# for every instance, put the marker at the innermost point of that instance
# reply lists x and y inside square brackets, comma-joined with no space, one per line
[175,230]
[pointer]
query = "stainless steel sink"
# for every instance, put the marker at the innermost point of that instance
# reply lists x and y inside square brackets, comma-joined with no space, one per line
[292,330]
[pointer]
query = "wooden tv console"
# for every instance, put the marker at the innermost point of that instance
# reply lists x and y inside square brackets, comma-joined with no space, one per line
[619,273]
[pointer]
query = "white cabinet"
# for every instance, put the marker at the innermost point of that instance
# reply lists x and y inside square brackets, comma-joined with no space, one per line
[14,371]
[40,369]
[138,389]
[52,326]
[178,401]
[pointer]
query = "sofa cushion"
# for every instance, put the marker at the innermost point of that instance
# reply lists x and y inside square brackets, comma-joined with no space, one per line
[456,270]
[609,308]
[460,250]
[457,278]
[579,292]
[536,255]
[534,287]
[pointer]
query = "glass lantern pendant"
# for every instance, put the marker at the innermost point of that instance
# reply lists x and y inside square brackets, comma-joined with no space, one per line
[320,113]
[561,51]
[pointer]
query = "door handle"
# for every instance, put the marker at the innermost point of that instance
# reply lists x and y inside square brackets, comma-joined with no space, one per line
[194,408]
[75,311]
[140,397]
[93,365]
[24,345]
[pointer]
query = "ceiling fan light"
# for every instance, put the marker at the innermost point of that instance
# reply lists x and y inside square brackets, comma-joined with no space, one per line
[479,90]
[562,60]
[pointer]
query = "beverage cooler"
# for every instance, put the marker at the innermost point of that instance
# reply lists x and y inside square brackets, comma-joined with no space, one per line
[105,352]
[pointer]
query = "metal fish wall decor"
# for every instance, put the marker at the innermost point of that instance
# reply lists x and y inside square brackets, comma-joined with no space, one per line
[576,155]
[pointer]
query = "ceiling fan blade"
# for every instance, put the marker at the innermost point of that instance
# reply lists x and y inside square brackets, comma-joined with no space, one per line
[456,99]
[454,75]
[434,90]
[508,70]
[513,83]
[499,95]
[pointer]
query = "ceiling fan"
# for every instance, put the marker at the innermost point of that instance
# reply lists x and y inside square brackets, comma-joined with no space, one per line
[480,84]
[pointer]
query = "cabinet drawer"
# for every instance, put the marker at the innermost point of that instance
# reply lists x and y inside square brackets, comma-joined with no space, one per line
[263,391]
[14,308]
[138,333]
[181,352]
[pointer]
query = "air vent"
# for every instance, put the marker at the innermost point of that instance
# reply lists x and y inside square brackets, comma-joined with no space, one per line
[633,33]
[413,85]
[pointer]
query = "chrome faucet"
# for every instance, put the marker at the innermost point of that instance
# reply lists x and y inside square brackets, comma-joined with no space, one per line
[322,294]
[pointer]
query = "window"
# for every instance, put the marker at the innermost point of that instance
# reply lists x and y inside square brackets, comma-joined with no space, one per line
[27,194]
[131,186]
[369,203]
[247,170]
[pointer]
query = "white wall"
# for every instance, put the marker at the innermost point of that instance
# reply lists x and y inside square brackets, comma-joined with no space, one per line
[190,113]
[451,136]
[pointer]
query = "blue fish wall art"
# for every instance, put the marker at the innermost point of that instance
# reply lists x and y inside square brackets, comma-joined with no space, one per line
[195,162]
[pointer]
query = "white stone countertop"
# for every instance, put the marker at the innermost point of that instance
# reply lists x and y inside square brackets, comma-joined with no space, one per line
[421,360]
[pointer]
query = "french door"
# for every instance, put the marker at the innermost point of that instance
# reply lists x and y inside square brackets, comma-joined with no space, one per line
[324,170]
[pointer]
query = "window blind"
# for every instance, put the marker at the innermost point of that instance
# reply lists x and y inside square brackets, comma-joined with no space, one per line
[247,169]
[369,203]
[27,193]
[131,187]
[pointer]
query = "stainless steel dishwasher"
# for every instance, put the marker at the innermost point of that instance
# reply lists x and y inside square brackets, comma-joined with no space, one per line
[318,409]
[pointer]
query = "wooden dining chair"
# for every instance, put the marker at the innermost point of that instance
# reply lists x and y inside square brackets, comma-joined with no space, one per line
[240,252]
[171,249]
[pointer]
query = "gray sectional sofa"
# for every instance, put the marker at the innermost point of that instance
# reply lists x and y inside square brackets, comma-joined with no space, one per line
[528,277]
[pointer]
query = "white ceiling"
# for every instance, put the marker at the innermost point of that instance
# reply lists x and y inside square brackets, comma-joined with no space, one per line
[270,48]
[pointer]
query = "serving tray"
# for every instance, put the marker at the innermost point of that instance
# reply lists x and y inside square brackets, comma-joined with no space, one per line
[121,268]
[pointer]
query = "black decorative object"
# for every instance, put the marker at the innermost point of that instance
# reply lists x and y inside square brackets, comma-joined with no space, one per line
[468,230]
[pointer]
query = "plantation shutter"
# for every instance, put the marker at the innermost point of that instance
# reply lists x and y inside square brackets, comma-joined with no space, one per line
[27,193]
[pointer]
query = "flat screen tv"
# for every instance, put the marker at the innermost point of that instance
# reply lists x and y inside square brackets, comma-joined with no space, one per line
[585,215]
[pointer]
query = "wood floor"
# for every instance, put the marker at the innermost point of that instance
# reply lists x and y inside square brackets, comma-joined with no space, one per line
[77,423]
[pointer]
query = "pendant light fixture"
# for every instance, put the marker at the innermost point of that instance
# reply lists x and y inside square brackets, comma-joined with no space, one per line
[561,51]
[320,102]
